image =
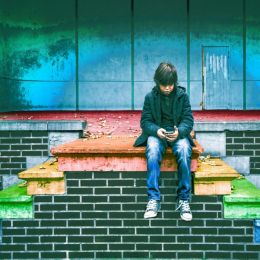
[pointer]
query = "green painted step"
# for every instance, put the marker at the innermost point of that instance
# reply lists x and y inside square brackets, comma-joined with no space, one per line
[243,202]
[15,203]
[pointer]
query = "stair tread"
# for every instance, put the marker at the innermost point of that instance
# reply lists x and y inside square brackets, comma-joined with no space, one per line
[243,191]
[15,194]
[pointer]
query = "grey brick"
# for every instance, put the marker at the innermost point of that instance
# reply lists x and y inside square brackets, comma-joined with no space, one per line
[93,231]
[67,247]
[53,223]
[149,246]
[25,255]
[66,215]
[53,255]
[81,255]
[13,247]
[31,140]
[80,239]
[231,247]
[190,239]
[243,140]
[218,255]
[79,190]
[122,247]
[53,239]
[109,239]
[131,254]
[136,239]
[190,255]
[26,240]
[66,199]
[120,231]
[80,207]
[109,223]
[10,141]
[108,254]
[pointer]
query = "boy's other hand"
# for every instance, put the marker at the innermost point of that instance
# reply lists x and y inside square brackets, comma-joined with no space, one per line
[161,133]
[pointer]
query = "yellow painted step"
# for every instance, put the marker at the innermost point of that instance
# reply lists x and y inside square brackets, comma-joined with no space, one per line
[214,177]
[44,179]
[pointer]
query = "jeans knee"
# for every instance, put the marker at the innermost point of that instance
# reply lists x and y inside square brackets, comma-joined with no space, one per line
[153,149]
[183,148]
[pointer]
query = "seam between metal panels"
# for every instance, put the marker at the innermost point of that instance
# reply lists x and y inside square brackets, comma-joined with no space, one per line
[244,55]
[188,47]
[132,57]
[76,55]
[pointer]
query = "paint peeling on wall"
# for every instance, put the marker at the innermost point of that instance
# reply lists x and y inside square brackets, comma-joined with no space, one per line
[120,43]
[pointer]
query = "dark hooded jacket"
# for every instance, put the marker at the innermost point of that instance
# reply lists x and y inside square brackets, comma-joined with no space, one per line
[151,115]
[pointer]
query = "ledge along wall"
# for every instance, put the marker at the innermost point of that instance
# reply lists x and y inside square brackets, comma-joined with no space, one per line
[24,144]
[101,213]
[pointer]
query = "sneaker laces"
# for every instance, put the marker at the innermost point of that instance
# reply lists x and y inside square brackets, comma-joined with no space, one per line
[151,205]
[184,206]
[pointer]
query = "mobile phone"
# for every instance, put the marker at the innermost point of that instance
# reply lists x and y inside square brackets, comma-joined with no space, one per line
[168,132]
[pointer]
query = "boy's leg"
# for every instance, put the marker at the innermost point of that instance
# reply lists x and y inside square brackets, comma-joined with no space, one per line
[154,152]
[182,150]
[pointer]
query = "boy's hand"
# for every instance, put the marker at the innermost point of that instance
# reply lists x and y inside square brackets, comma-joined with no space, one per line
[172,137]
[161,133]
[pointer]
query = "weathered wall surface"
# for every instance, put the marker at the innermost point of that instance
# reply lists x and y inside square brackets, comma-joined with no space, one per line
[100,55]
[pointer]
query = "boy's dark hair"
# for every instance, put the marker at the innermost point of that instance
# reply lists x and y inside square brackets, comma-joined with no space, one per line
[165,75]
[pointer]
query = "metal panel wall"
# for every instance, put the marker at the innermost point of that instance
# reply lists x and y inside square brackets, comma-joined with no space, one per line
[252,54]
[216,77]
[159,35]
[104,54]
[216,23]
[37,54]
[101,54]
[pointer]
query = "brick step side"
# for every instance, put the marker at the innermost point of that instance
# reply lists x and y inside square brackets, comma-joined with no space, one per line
[101,216]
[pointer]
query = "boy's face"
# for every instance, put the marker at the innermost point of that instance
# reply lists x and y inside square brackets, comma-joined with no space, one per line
[166,90]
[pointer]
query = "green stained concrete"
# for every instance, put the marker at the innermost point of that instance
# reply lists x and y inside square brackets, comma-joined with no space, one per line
[244,202]
[15,203]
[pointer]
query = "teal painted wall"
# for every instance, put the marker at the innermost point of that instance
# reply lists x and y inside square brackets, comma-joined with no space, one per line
[101,54]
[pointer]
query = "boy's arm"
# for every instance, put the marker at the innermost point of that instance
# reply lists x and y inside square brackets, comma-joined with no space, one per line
[147,121]
[187,121]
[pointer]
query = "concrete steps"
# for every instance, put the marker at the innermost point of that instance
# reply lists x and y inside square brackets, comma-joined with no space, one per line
[112,153]
[44,179]
[213,177]
[244,202]
[15,203]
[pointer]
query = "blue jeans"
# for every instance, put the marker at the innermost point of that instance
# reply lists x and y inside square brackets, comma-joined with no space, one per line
[155,150]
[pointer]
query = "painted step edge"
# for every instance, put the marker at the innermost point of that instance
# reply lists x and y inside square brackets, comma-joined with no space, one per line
[249,212]
[15,203]
[244,202]
[14,194]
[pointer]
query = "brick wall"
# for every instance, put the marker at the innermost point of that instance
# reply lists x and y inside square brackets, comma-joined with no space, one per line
[24,144]
[101,216]
[245,143]
[16,146]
